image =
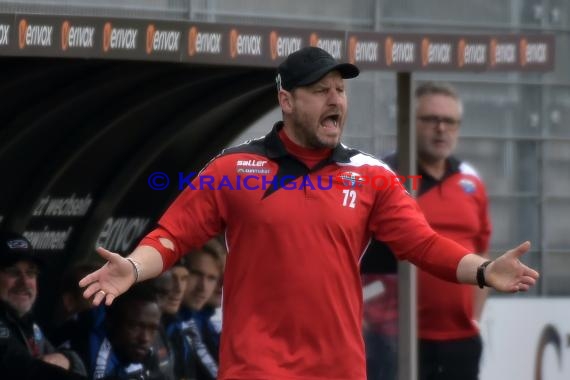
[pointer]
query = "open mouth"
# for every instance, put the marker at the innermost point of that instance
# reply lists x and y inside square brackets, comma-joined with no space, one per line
[331,121]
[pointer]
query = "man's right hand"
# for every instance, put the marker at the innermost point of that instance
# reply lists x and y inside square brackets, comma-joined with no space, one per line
[111,280]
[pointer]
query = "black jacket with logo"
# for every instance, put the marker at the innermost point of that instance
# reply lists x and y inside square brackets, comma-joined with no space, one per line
[22,344]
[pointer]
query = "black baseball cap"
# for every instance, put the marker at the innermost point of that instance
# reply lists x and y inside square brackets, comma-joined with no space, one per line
[307,66]
[15,247]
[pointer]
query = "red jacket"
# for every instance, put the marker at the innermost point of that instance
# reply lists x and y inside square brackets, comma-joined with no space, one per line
[292,296]
[455,207]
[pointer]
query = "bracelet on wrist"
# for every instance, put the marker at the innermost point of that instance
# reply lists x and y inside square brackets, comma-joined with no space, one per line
[136,268]
[481,274]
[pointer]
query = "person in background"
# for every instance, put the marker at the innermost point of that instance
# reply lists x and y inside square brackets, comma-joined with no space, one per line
[380,322]
[172,285]
[453,198]
[205,268]
[76,315]
[22,341]
[211,314]
[128,349]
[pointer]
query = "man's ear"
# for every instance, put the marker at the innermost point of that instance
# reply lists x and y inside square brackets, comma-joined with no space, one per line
[285,101]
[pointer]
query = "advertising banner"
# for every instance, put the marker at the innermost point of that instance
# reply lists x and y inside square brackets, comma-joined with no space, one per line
[265,46]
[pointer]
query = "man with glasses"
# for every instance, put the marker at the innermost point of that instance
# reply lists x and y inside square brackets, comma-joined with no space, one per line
[454,201]
[24,350]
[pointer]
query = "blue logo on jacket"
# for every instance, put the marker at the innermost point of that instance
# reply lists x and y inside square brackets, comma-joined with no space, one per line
[468,186]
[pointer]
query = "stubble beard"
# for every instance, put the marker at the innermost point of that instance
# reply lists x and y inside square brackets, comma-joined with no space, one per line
[308,136]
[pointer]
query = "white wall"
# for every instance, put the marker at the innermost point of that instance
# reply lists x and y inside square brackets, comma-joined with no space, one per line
[512,330]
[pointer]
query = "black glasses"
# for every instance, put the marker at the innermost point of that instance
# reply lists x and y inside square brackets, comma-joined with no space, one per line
[434,121]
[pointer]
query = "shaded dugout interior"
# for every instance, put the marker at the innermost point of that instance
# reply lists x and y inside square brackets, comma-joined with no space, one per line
[80,138]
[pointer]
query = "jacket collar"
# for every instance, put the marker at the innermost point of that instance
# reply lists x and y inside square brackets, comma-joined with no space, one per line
[276,149]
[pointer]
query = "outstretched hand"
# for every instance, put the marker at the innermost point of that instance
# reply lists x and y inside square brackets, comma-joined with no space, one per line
[109,281]
[508,274]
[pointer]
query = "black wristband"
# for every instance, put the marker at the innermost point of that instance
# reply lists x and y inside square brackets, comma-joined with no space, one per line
[481,274]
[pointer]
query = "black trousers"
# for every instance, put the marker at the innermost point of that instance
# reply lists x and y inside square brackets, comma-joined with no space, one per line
[451,359]
[381,356]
